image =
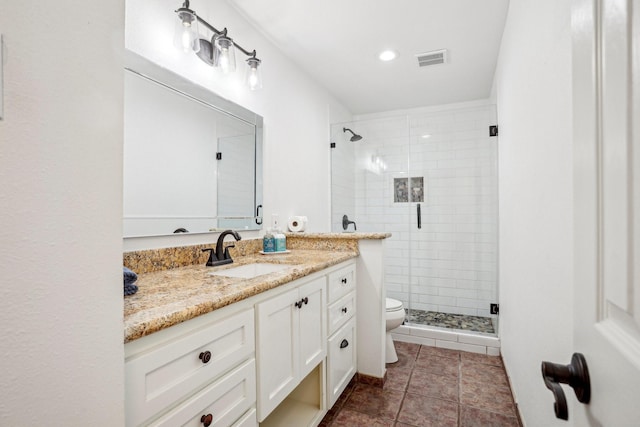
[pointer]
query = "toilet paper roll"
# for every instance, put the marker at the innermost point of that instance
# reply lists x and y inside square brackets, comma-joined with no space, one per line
[297,224]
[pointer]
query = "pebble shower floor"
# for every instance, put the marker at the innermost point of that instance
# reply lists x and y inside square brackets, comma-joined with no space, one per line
[450,321]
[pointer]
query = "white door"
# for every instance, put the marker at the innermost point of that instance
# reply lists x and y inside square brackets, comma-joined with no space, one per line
[606,73]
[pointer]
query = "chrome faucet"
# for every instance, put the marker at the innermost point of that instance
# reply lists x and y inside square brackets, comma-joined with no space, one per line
[221,256]
[346,222]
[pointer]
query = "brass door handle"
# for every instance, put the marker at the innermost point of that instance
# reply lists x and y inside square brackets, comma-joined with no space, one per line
[575,374]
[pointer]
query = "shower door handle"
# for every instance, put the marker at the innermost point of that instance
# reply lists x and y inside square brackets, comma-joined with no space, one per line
[419,216]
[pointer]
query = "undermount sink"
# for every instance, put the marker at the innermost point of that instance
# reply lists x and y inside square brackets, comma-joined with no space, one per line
[250,271]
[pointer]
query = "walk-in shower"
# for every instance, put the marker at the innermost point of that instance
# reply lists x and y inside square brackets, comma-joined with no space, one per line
[430,178]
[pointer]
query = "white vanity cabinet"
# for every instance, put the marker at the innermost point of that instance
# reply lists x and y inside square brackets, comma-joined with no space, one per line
[291,341]
[279,358]
[342,356]
[198,373]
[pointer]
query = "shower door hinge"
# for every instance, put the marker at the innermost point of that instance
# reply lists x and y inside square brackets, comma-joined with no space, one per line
[218,156]
[493,130]
[333,145]
[494,308]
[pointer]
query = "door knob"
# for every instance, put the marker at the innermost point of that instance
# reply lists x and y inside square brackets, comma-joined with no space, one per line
[575,374]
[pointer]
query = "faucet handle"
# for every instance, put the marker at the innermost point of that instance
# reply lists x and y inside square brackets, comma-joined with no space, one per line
[212,255]
[226,251]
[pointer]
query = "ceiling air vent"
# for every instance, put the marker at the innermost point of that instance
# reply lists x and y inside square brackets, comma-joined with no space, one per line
[432,58]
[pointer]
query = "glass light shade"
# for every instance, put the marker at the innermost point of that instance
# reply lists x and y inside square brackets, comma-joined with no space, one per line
[186,36]
[253,76]
[224,54]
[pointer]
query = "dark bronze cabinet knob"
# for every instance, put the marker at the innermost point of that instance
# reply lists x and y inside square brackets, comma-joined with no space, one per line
[205,356]
[305,300]
[206,420]
[344,280]
[344,309]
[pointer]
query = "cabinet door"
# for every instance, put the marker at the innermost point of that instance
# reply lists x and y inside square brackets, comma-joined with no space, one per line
[341,360]
[313,333]
[277,352]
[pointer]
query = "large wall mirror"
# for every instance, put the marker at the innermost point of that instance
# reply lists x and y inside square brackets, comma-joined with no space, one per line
[192,160]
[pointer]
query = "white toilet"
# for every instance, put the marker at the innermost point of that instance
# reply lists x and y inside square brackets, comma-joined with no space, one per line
[395,317]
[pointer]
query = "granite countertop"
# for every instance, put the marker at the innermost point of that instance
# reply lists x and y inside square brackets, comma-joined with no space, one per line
[168,297]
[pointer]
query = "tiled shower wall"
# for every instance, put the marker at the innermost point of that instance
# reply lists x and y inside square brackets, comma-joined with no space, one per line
[450,263]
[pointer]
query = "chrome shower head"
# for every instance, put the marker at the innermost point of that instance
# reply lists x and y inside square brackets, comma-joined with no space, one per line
[355,136]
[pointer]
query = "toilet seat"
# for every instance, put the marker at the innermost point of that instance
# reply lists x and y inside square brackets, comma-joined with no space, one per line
[393,305]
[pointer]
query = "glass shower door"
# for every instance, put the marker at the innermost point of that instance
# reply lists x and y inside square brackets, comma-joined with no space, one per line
[430,179]
[453,165]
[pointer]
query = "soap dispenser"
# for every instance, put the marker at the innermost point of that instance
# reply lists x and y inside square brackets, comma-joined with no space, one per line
[281,241]
[268,242]
[278,235]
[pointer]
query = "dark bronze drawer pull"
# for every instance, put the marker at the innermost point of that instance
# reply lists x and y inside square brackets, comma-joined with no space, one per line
[206,420]
[205,356]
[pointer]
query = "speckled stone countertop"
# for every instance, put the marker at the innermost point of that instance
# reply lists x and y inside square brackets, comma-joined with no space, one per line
[169,297]
[174,285]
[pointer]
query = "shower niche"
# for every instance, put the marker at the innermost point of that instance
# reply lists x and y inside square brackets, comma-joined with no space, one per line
[429,177]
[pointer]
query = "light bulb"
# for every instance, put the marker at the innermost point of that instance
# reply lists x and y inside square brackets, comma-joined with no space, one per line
[186,37]
[253,76]
[224,60]
[224,54]
[253,79]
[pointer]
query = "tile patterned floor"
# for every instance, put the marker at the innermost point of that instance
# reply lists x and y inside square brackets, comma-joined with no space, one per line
[427,387]
[451,321]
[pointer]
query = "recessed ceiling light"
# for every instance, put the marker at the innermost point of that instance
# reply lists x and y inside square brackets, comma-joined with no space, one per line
[387,55]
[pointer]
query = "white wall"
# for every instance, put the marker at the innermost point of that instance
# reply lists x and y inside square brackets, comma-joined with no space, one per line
[61,342]
[296,110]
[533,86]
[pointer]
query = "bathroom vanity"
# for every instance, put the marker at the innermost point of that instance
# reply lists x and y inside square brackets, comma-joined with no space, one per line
[271,350]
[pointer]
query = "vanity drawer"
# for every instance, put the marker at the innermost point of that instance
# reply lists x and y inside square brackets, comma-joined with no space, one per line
[341,311]
[342,282]
[225,401]
[158,378]
[341,360]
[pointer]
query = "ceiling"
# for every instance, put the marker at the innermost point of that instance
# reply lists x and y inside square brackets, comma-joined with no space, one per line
[338,41]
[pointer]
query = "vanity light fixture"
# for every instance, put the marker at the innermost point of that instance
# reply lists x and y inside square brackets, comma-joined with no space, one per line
[219,52]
